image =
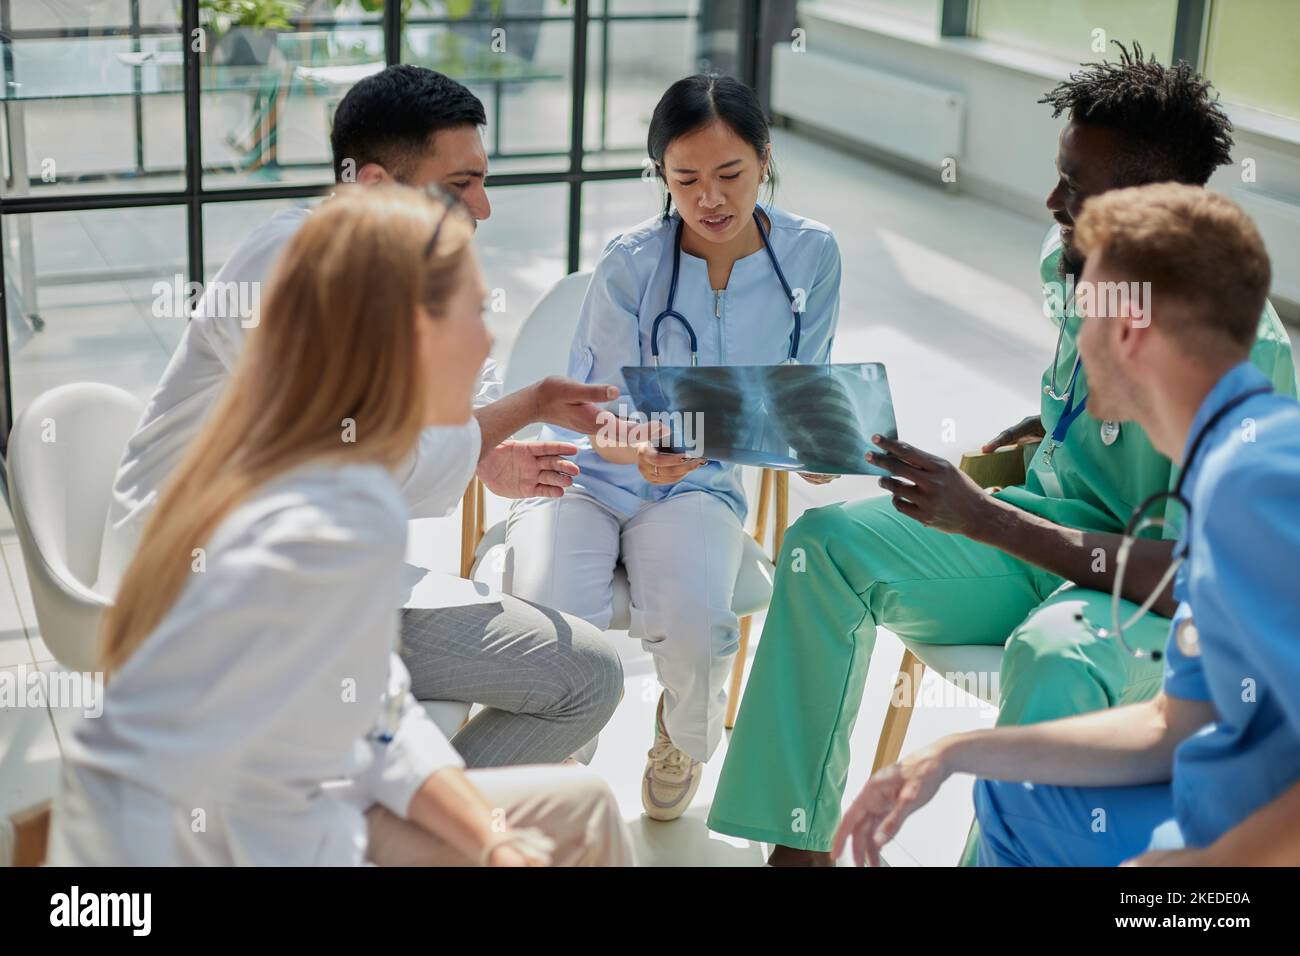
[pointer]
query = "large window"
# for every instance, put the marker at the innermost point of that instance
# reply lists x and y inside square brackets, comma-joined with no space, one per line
[142,139]
[1251,56]
[921,12]
[1075,31]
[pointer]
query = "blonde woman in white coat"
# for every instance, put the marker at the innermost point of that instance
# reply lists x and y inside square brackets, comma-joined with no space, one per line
[256,711]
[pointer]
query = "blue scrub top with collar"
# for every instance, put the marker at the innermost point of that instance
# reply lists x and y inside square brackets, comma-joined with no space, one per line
[1239,584]
[748,323]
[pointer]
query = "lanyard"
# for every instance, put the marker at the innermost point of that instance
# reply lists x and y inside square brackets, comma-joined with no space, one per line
[1068,415]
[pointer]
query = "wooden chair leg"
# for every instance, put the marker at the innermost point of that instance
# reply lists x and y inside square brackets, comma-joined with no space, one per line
[899,715]
[31,835]
[468,526]
[764,498]
[782,512]
[480,511]
[737,673]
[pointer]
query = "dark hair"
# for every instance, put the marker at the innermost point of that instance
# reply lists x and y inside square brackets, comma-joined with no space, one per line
[389,117]
[695,102]
[1174,128]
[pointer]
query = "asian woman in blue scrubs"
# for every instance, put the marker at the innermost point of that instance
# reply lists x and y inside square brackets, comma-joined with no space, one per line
[743,271]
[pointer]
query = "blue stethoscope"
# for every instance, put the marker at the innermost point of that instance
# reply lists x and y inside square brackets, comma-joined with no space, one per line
[1185,633]
[670,313]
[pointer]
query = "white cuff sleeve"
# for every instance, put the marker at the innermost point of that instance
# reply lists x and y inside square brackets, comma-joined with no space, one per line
[489,387]
[434,478]
[417,751]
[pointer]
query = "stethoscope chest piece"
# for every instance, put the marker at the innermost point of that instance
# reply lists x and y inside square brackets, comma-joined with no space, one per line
[1188,638]
[1109,433]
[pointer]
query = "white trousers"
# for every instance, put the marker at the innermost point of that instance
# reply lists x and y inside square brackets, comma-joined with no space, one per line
[682,556]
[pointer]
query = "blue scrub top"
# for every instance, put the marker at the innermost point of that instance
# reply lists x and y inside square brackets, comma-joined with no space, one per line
[748,323]
[1240,583]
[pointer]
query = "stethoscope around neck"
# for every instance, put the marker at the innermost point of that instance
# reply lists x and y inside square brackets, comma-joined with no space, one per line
[1185,634]
[670,313]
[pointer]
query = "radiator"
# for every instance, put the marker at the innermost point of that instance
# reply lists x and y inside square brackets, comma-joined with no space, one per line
[910,120]
[1278,222]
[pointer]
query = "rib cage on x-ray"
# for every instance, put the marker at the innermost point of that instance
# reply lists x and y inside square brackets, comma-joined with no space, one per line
[727,399]
[817,418]
[805,417]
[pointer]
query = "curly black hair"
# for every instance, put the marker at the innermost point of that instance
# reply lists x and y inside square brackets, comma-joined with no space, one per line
[1172,123]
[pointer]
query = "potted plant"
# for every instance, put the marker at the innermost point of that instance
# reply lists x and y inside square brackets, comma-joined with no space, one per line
[524,35]
[246,29]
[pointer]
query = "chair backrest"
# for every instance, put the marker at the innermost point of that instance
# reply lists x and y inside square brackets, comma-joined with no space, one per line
[542,347]
[64,451]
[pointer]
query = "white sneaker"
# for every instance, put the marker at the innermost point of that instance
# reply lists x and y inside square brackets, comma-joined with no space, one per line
[671,776]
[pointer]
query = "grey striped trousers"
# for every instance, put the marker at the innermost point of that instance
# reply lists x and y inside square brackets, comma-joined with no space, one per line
[548,682]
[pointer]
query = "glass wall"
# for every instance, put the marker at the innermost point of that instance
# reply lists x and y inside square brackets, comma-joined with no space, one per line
[142,139]
[1251,57]
[268,95]
[92,97]
[921,12]
[101,318]
[1075,31]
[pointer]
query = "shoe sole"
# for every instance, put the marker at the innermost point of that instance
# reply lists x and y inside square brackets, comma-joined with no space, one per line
[670,813]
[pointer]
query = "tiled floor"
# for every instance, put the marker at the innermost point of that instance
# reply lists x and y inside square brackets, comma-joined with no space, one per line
[940,287]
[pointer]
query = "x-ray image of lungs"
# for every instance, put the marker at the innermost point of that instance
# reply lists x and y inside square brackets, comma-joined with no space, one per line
[828,413]
[699,402]
[796,417]
[722,396]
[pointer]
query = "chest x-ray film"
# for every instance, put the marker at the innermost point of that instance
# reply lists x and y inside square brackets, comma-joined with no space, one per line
[815,418]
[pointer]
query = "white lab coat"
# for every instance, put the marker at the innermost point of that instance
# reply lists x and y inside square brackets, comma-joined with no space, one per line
[237,733]
[192,383]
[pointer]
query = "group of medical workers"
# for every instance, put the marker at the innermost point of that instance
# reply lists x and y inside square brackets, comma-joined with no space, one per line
[262,702]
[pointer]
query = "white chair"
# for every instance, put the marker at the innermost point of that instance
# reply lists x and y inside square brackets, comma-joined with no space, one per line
[448,715]
[956,663]
[542,349]
[63,455]
[981,661]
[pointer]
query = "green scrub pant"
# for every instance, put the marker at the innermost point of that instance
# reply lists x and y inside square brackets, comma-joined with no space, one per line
[845,570]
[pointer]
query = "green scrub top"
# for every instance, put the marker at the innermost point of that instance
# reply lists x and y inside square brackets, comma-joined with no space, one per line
[1100,484]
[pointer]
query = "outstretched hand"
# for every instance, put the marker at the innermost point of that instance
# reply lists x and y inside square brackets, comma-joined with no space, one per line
[571,404]
[890,796]
[529,469]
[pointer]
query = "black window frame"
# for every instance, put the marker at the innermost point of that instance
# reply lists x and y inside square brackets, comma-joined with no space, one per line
[194,196]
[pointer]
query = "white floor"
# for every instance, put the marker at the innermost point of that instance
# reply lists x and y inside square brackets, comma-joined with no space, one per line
[943,289]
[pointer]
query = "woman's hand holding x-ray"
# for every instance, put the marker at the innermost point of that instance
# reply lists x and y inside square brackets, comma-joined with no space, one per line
[528,469]
[627,442]
[664,467]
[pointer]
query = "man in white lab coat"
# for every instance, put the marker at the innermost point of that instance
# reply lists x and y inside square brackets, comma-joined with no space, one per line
[547,682]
